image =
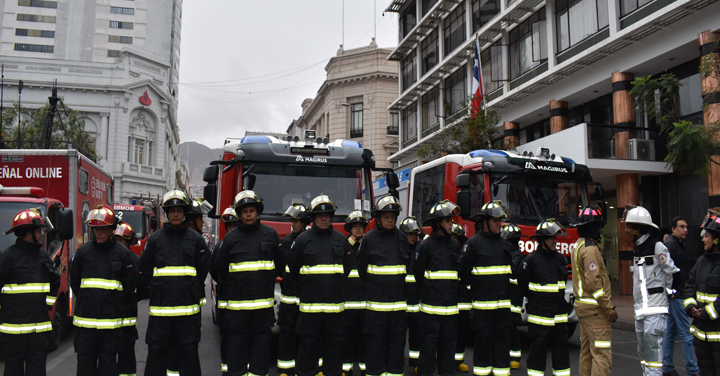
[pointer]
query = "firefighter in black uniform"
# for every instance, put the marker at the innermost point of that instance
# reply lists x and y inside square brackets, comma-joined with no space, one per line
[103,278]
[354,349]
[318,260]
[542,279]
[383,261]
[246,265]
[464,307]
[174,265]
[436,272]
[229,219]
[127,364]
[288,310]
[701,289]
[413,231]
[513,234]
[487,269]
[29,283]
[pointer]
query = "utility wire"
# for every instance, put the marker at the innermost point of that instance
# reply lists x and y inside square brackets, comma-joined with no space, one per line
[288,72]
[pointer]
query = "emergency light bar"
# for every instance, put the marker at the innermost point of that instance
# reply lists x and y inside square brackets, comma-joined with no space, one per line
[22,191]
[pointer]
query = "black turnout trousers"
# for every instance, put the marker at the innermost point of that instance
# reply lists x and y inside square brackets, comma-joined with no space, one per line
[439,334]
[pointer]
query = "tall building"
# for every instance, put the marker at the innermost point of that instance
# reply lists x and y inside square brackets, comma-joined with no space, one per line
[558,74]
[352,102]
[116,62]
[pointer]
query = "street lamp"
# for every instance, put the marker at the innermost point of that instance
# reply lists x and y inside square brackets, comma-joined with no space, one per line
[364,109]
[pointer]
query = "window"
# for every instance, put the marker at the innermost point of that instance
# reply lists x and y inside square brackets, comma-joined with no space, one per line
[409,122]
[456,91]
[627,6]
[579,19]
[38,3]
[120,39]
[35,18]
[114,53]
[121,25]
[130,149]
[394,124]
[486,61]
[34,48]
[429,50]
[409,70]
[150,154]
[430,109]
[483,11]
[528,44]
[408,19]
[139,150]
[118,10]
[428,190]
[35,33]
[455,29]
[427,5]
[535,131]
[83,181]
[356,120]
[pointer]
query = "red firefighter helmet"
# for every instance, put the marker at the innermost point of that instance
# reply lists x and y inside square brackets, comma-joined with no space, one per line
[124,230]
[29,218]
[102,216]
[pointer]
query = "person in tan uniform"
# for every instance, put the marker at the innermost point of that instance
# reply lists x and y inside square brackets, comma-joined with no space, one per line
[591,284]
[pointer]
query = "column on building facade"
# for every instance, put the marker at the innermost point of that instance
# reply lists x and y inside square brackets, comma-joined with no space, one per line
[104,137]
[551,34]
[558,116]
[711,105]
[512,134]
[627,185]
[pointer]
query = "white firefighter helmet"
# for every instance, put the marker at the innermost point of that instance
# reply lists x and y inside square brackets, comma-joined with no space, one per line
[639,215]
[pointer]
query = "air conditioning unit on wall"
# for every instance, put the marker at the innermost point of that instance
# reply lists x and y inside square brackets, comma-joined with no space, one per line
[641,149]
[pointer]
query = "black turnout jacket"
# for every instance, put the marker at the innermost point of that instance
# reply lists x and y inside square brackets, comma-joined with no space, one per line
[28,287]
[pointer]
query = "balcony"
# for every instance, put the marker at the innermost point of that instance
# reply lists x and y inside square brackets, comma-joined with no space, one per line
[595,146]
[393,131]
[134,169]
[354,133]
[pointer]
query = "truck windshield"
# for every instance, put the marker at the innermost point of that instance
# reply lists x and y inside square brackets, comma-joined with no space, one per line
[281,185]
[530,200]
[8,210]
[134,219]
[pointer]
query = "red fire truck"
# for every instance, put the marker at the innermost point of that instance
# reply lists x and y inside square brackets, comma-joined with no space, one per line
[290,171]
[65,185]
[531,187]
[143,219]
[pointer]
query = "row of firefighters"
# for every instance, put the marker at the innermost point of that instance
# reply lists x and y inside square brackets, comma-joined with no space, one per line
[345,300]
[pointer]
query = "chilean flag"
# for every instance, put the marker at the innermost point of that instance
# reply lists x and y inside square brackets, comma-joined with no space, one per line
[477,84]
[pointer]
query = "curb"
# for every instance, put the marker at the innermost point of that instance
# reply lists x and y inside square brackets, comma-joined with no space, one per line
[624,325]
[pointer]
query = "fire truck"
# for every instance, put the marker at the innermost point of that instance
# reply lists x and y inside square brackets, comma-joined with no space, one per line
[143,218]
[283,172]
[532,187]
[65,185]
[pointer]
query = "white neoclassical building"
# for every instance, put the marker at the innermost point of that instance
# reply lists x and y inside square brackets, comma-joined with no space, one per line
[116,62]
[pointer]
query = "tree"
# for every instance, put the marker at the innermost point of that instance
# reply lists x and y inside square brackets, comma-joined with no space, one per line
[691,147]
[472,133]
[67,130]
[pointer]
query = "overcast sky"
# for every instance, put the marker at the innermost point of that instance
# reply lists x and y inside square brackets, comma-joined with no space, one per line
[249,64]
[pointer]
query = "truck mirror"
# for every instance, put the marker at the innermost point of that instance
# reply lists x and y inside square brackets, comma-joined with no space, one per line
[600,193]
[463,201]
[210,195]
[153,223]
[211,173]
[65,224]
[392,180]
[462,181]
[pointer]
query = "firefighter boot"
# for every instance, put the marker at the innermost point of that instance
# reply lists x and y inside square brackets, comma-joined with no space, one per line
[462,367]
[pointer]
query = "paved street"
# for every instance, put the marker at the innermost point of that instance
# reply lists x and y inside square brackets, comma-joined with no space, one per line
[62,362]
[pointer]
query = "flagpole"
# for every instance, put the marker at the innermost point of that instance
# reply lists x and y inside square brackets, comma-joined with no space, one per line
[480,72]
